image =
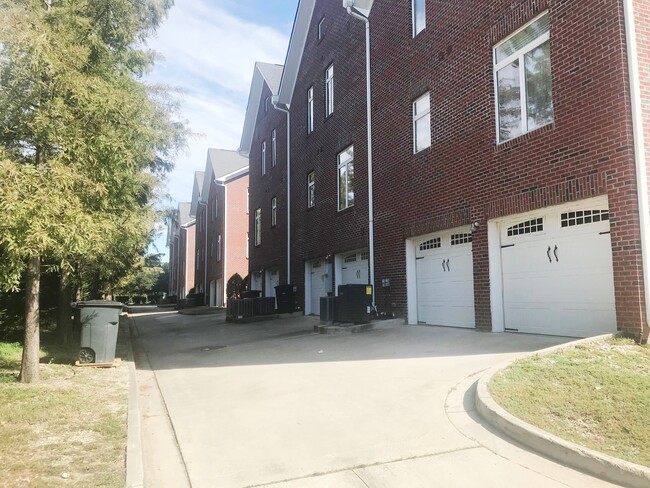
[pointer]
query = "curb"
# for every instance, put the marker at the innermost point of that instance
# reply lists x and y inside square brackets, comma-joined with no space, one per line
[587,460]
[134,458]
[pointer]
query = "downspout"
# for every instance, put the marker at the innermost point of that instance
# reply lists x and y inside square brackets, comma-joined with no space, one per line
[639,155]
[187,257]
[178,268]
[371,219]
[205,256]
[285,108]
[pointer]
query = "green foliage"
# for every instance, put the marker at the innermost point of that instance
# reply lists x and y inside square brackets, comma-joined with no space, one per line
[234,286]
[83,141]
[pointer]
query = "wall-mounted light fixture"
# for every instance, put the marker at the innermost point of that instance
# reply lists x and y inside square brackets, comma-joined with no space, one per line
[474,227]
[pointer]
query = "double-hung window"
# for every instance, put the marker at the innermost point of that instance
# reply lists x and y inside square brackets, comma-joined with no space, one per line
[329,90]
[346,178]
[421,123]
[311,183]
[419,16]
[321,29]
[263,158]
[274,211]
[219,248]
[274,148]
[258,226]
[522,79]
[310,110]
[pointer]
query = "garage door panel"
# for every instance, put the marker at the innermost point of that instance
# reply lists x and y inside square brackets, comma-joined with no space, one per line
[558,278]
[445,286]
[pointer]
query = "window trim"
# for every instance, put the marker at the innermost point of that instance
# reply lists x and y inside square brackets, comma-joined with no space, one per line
[329,90]
[517,55]
[338,178]
[274,148]
[311,189]
[417,118]
[414,31]
[321,29]
[274,211]
[258,226]
[219,248]
[263,156]
[310,110]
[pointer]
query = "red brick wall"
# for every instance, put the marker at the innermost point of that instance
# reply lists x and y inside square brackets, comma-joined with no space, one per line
[237,222]
[215,228]
[323,230]
[199,276]
[187,256]
[273,250]
[465,176]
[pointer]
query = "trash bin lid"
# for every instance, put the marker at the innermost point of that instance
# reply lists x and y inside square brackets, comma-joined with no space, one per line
[100,304]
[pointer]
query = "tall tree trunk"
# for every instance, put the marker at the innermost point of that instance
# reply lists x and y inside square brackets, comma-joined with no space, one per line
[64,311]
[29,370]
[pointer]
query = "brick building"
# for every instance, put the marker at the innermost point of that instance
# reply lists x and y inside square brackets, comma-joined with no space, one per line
[508,142]
[220,205]
[180,240]
[264,141]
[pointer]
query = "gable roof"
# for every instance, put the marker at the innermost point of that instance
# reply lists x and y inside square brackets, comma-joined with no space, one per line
[222,165]
[196,192]
[263,73]
[296,49]
[184,213]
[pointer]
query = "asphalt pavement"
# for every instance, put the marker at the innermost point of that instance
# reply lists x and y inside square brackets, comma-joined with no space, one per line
[274,404]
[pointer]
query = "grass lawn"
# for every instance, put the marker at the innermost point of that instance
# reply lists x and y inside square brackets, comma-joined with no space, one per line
[596,395]
[69,429]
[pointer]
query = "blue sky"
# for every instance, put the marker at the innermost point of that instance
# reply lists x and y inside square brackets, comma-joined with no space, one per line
[207,50]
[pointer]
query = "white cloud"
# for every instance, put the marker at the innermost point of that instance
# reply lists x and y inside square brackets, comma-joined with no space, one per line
[209,54]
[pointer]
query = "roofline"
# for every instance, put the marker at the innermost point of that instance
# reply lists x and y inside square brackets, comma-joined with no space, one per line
[233,175]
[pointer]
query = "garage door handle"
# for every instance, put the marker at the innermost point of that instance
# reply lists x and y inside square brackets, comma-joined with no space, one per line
[448,268]
[548,253]
[555,252]
[443,266]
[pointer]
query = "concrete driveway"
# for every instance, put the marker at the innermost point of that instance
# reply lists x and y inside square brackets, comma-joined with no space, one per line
[273,404]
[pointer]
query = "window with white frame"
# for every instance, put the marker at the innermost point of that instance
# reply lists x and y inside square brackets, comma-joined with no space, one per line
[263,158]
[311,184]
[267,101]
[258,226]
[421,123]
[310,110]
[419,16]
[219,248]
[522,79]
[274,148]
[321,29]
[329,90]
[274,211]
[346,178]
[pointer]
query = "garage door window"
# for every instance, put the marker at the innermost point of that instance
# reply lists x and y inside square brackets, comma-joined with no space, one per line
[570,219]
[457,239]
[528,227]
[430,244]
[352,258]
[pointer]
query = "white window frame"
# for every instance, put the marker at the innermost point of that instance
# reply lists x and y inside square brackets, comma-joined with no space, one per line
[274,148]
[274,211]
[258,226]
[263,158]
[341,164]
[311,188]
[418,117]
[310,110]
[329,90]
[518,55]
[321,29]
[417,28]
[266,105]
[219,248]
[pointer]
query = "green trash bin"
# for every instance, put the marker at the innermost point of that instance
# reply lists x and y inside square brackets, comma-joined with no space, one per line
[100,320]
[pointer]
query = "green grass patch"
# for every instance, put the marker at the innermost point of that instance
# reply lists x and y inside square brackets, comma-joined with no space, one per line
[596,395]
[67,430]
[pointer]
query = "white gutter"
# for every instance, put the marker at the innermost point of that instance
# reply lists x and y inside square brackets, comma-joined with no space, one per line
[354,12]
[639,154]
[285,109]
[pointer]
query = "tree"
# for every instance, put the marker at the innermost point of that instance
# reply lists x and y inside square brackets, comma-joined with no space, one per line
[83,142]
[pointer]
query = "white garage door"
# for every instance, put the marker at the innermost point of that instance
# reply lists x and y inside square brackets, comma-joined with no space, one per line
[445,282]
[272,280]
[354,269]
[319,284]
[557,271]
